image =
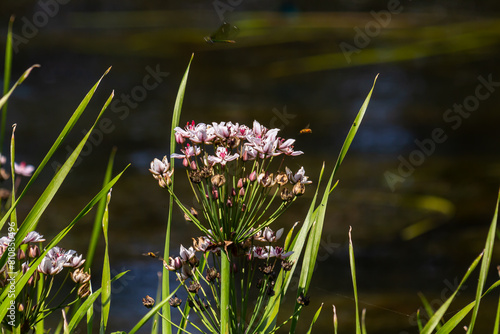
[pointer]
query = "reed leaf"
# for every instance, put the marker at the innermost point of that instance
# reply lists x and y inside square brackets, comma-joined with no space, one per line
[106,272]
[166,328]
[485,266]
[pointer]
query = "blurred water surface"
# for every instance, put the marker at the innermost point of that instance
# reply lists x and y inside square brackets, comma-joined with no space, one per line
[287,69]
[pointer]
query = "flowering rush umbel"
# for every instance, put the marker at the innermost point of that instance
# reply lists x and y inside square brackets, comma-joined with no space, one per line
[242,185]
[230,168]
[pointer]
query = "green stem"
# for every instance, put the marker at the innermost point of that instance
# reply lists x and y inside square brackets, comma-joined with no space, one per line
[225,293]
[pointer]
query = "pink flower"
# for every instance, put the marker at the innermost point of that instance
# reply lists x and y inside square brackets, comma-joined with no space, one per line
[298,177]
[33,236]
[222,156]
[278,252]
[189,151]
[23,169]
[260,252]
[286,146]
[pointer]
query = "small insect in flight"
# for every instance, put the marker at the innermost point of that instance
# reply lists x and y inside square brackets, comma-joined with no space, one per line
[306,130]
[225,34]
[151,254]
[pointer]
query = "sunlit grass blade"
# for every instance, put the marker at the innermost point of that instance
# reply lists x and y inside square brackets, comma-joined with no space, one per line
[496,328]
[106,272]
[94,239]
[21,280]
[19,81]
[6,79]
[433,322]
[485,266]
[354,128]
[31,220]
[67,128]
[316,315]
[13,214]
[363,321]
[354,284]
[166,328]
[427,306]
[460,315]
[312,248]
[335,320]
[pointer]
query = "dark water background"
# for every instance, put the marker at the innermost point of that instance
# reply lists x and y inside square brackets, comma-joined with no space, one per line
[288,57]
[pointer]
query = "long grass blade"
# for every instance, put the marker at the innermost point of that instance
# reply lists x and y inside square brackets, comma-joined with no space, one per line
[45,198]
[316,315]
[6,79]
[485,266]
[94,239]
[19,81]
[106,272]
[166,327]
[438,315]
[460,315]
[354,284]
[67,128]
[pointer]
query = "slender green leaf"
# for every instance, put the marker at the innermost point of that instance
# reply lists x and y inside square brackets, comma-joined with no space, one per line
[335,320]
[67,128]
[354,285]
[438,315]
[99,214]
[45,198]
[106,272]
[6,79]
[460,315]
[19,81]
[485,266]
[166,328]
[427,306]
[316,315]
[354,128]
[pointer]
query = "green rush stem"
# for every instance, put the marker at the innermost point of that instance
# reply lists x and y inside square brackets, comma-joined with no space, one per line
[244,301]
[225,292]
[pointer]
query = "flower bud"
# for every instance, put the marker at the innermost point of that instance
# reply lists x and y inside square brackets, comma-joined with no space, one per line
[299,189]
[148,301]
[253,176]
[218,180]
[193,165]
[282,179]
[242,192]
